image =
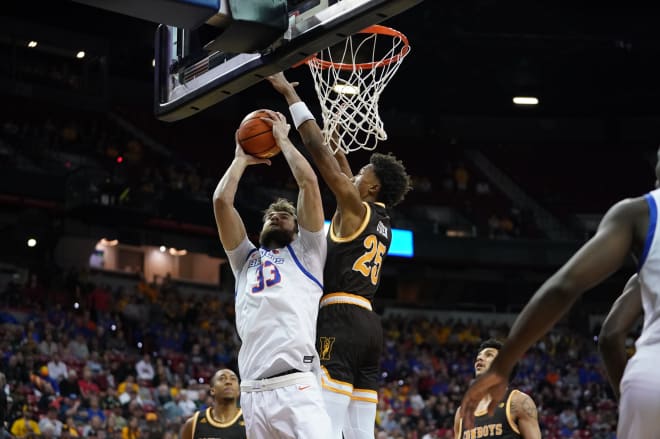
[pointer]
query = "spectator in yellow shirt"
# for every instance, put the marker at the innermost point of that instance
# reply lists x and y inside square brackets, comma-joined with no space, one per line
[25,426]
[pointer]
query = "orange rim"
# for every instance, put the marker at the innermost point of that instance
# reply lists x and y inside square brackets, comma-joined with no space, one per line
[374,29]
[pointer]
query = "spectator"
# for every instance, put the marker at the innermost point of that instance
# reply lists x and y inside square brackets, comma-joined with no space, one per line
[51,422]
[131,431]
[94,409]
[57,369]
[25,426]
[186,404]
[78,347]
[48,347]
[87,385]
[145,369]
[69,385]
[96,425]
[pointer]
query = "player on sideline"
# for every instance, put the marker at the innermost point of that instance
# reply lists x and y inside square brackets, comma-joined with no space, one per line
[630,226]
[278,288]
[223,420]
[516,415]
[349,332]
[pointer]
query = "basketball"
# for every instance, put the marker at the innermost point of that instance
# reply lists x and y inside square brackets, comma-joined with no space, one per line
[256,137]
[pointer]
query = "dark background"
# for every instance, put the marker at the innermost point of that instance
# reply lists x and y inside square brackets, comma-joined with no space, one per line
[590,142]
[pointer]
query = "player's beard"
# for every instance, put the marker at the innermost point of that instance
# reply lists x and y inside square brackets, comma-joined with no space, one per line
[275,238]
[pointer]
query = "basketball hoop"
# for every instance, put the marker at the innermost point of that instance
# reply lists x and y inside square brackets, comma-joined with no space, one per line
[349,80]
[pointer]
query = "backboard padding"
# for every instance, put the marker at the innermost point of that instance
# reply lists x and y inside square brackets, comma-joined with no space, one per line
[218,76]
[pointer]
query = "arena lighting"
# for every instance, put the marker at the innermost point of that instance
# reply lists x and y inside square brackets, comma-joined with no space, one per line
[525,100]
[80,55]
[402,242]
[31,242]
[32,44]
[346,89]
[175,252]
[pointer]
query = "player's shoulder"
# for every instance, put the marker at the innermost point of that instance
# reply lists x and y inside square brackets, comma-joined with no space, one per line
[519,394]
[631,203]
[188,426]
[522,404]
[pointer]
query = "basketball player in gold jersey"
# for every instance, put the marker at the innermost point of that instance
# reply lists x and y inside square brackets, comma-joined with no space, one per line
[223,420]
[349,334]
[516,415]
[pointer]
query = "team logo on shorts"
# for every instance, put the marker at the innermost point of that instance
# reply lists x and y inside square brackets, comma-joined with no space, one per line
[326,347]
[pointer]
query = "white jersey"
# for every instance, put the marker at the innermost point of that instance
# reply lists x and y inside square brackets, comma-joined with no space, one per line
[639,404]
[277,303]
[649,276]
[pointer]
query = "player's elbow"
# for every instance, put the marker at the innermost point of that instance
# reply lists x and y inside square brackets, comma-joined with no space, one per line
[222,201]
[563,287]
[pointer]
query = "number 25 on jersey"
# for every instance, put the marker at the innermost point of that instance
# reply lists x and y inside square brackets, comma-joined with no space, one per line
[370,262]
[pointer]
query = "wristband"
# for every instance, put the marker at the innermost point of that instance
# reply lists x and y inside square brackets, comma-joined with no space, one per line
[300,113]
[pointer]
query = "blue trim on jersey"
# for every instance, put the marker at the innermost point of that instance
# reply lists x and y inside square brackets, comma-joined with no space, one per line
[250,254]
[307,273]
[653,219]
[246,258]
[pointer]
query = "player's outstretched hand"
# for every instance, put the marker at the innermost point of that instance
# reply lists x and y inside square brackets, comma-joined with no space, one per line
[279,125]
[249,159]
[490,383]
[280,83]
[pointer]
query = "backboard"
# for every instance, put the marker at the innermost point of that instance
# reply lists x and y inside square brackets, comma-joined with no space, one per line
[197,68]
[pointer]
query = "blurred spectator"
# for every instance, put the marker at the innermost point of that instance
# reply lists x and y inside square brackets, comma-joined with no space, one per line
[51,422]
[87,385]
[145,369]
[96,425]
[69,385]
[131,431]
[94,408]
[186,404]
[48,346]
[25,425]
[57,369]
[78,347]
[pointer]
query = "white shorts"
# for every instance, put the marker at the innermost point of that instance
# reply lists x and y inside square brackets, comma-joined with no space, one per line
[289,406]
[639,407]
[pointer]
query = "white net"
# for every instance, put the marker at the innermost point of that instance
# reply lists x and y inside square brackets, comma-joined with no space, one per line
[349,80]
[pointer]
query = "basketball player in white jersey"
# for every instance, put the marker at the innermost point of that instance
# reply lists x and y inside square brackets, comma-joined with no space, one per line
[278,288]
[630,226]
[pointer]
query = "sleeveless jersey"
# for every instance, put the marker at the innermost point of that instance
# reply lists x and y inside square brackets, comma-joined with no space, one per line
[277,303]
[205,427]
[649,276]
[354,262]
[500,425]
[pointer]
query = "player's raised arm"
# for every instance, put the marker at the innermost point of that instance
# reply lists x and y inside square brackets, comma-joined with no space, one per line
[601,256]
[230,225]
[348,198]
[309,206]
